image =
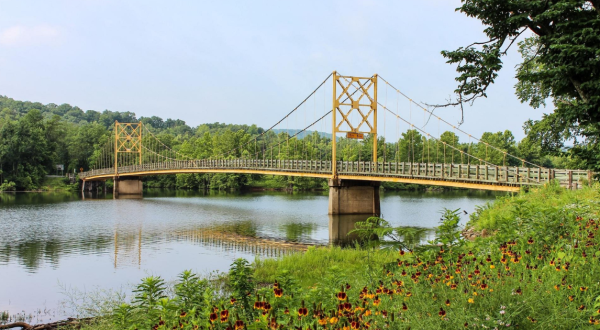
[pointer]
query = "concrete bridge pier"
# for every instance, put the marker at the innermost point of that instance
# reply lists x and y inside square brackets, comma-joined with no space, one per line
[127,187]
[354,197]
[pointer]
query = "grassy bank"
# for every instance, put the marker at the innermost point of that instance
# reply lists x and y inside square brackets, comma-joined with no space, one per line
[535,208]
[57,184]
[309,268]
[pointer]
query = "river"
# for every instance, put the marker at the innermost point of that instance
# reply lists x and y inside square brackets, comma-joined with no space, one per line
[57,243]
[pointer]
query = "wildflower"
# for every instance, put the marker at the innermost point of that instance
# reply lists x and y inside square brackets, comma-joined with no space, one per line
[302,311]
[471,300]
[354,325]
[466,325]
[571,298]
[183,314]
[278,292]
[402,252]
[447,302]
[342,296]
[213,317]
[492,266]
[583,288]
[224,315]
[582,307]
[404,307]
[232,300]
[519,291]
[530,240]
[333,320]
[376,302]
[323,321]
[239,324]
[368,312]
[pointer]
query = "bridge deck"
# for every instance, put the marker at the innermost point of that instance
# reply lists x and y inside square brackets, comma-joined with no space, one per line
[488,177]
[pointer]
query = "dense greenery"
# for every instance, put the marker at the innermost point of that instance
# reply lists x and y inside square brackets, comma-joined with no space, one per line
[537,271]
[35,137]
[561,61]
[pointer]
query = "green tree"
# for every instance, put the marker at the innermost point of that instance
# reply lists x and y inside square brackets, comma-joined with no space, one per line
[560,60]
[504,143]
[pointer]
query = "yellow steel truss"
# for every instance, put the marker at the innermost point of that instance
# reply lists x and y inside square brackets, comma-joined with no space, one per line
[358,94]
[128,139]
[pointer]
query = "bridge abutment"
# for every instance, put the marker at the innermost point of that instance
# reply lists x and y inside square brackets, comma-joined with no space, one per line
[353,197]
[130,186]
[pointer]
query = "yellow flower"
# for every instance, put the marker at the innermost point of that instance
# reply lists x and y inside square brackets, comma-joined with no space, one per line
[333,320]
[492,266]
[471,300]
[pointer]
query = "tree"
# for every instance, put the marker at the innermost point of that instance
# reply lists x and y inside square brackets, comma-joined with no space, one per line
[505,142]
[561,60]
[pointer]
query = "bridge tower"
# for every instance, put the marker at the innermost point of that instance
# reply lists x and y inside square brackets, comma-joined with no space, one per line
[128,151]
[356,98]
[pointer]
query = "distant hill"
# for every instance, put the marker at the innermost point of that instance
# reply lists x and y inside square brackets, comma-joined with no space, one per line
[303,134]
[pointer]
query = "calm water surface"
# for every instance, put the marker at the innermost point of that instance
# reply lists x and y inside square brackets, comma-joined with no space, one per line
[50,242]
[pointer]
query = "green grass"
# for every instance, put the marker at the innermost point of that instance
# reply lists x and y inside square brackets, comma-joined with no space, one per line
[312,266]
[535,203]
[55,184]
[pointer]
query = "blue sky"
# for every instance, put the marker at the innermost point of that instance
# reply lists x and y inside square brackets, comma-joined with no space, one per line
[239,62]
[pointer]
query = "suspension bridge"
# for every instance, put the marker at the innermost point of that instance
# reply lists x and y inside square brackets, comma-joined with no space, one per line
[424,159]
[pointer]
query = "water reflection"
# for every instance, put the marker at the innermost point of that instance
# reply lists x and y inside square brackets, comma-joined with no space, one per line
[43,228]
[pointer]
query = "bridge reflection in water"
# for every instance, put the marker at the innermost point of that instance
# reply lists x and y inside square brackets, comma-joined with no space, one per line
[128,245]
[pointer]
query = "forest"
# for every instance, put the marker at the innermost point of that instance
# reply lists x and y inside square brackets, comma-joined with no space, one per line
[34,138]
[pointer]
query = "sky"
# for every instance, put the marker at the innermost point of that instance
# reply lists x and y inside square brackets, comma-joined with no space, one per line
[241,62]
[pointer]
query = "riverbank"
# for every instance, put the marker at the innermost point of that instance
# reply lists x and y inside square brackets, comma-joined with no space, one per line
[534,271]
[50,183]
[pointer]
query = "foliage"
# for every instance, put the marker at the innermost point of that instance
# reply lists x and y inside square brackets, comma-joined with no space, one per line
[447,234]
[515,211]
[8,186]
[560,60]
[242,284]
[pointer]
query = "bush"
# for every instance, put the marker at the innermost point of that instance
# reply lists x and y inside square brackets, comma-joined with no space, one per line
[8,186]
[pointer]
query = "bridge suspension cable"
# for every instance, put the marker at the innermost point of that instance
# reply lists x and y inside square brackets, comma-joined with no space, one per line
[458,128]
[280,121]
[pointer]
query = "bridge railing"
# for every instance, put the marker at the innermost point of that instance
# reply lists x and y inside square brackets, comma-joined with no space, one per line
[488,174]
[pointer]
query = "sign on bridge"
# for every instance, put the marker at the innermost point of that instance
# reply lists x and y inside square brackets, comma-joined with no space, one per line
[351,135]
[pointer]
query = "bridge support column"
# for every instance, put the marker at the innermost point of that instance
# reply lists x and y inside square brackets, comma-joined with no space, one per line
[129,186]
[354,197]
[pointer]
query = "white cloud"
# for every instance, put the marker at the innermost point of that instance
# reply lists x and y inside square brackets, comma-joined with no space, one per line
[20,35]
